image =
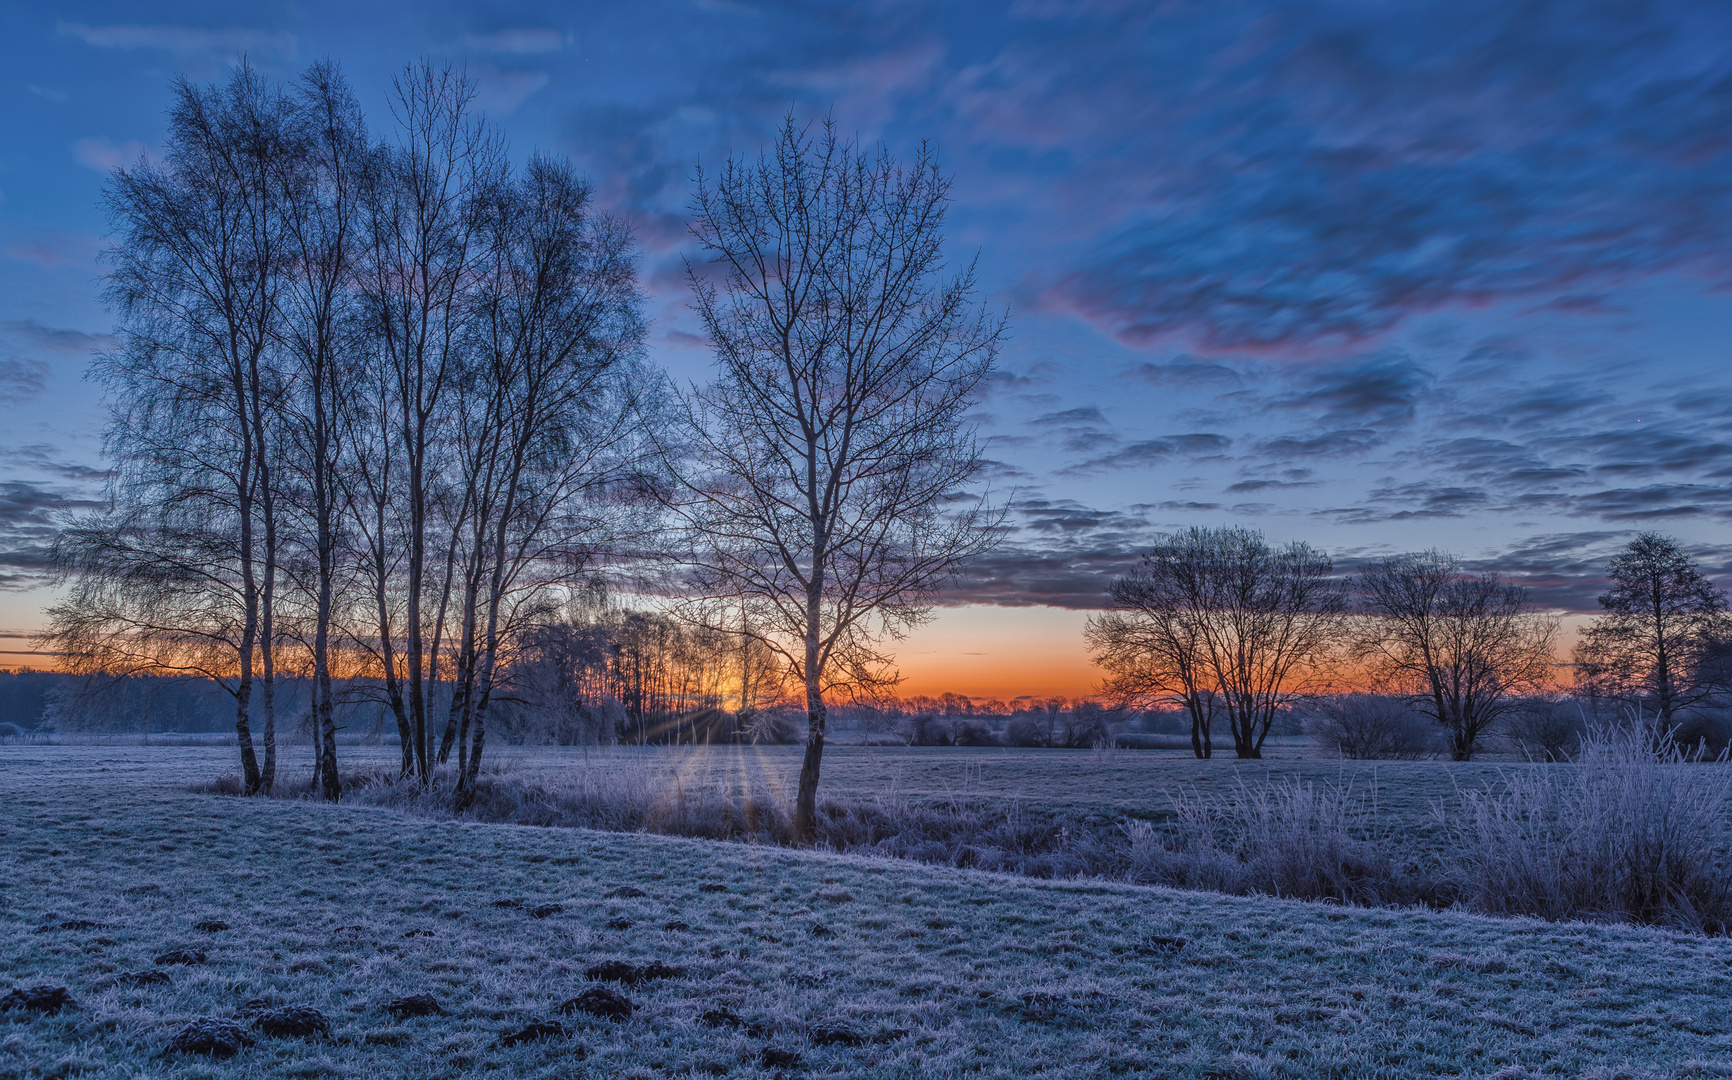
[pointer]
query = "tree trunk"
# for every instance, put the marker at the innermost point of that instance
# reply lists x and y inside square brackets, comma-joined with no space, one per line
[387,655]
[806,801]
[1201,743]
[1245,741]
[1461,739]
[267,601]
[243,725]
[324,718]
[462,686]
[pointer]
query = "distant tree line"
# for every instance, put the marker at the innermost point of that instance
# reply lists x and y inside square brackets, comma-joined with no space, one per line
[1227,627]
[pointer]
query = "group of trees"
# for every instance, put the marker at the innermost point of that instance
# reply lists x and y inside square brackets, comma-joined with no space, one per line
[1227,626]
[380,408]
[369,404]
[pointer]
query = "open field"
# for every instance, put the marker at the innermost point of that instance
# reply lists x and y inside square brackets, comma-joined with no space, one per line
[938,972]
[1115,783]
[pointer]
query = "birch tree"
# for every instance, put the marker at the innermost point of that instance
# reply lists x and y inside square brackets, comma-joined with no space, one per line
[423,241]
[321,185]
[183,573]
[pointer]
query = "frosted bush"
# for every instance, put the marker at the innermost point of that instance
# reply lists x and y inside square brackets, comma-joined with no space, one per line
[1289,839]
[1628,833]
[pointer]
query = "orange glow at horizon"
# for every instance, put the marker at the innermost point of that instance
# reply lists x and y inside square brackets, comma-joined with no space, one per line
[1001,652]
[977,651]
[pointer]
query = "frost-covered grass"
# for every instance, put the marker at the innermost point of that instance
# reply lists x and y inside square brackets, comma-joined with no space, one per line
[941,972]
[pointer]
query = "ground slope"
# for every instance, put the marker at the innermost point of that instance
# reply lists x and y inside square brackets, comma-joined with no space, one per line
[938,972]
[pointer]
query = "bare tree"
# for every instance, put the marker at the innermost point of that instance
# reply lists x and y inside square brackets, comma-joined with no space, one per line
[1225,624]
[1660,642]
[827,456]
[423,241]
[183,574]
[554,434]
[322,181]
[1465,648]
[1152,651]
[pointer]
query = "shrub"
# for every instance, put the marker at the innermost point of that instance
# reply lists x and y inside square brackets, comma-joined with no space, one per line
[928,730]
[1548,730]
[1084,727]
[1287,839]
[1027,730]
[1627,834]
[973,731]
[10,730]
[1705,733]
[1364,726]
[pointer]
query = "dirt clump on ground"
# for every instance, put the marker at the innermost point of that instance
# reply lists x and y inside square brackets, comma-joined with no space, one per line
[599,1001]
[292,1022]
[210,1036]
[414,1005]
[41,1000]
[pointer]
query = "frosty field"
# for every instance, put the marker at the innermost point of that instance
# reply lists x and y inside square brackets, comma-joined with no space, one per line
[1135,783]
[808,964]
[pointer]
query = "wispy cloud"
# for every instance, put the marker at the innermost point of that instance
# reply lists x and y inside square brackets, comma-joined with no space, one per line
[27,353]
[103,154]
[500,92]
[520,41]
[200,48]
[29,521]
[1304,176]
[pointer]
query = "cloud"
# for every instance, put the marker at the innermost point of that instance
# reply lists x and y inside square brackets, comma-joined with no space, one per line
[1187,372]
[522,41]
[1148,452]
[1072,578]
[201,48]
[1655,502]
[29,522]
[49,93]
[500,93]
[21,380]
[1306,176]
[43,458]
[1080,416]
[103,154]
[1068,517]
[1382,391]
[1081,430]
[1323,444]
[23,345]
[1428,500]
[1247,486]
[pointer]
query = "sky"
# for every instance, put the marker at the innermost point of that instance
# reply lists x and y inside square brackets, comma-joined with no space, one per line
[1376,276]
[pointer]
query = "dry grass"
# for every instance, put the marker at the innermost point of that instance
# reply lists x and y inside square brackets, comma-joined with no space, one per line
[1619,837]
[944,973]
[1624,834]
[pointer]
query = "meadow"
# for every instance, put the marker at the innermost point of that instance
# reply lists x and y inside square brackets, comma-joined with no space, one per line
[755,961]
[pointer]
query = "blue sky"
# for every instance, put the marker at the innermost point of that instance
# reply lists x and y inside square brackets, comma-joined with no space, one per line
[1381,276]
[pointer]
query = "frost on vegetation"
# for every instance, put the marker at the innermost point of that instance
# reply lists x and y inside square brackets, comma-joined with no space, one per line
[209,1036]
[1634,831]
[1629,833]
[926,972]
[1626,833]
[1282,838]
